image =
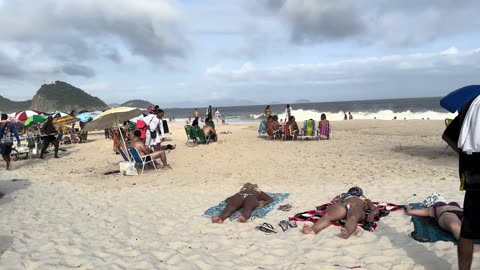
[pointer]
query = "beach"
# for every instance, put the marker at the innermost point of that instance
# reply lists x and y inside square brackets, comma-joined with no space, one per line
[66,214]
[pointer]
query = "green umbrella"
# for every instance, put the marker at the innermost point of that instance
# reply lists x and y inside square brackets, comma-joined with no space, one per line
[34,119]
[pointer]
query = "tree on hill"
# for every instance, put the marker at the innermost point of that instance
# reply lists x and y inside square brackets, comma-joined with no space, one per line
[8,106]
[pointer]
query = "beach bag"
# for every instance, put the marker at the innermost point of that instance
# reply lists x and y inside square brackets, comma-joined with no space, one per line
[128,168]
[153,133]
[7,138]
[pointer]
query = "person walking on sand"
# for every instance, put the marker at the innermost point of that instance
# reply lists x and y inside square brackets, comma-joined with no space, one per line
[248,198]
[7,132]
[351,206]
[49,132]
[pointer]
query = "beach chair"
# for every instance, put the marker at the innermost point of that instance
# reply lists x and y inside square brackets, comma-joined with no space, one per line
[448,121]
[200,136]
[309,130]
[143,160]
[190,136]
[324,131]
[123,154]
[262,129]
[288,133]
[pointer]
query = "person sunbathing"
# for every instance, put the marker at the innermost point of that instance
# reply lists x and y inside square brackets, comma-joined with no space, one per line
[248,198]
[293,126]
[273,126]
[351,206]
[448,216]
[142,149]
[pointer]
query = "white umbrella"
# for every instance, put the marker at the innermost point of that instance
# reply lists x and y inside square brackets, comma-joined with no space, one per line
[112,117]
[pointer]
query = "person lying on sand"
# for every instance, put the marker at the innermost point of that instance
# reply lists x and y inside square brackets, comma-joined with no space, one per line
[448,215]
[350,206]
[248,198]
[142,149]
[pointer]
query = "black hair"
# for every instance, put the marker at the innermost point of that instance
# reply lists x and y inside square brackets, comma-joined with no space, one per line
[195,123]
[291,118]
[4,116]
[137,133]
[323,116]
[270,117]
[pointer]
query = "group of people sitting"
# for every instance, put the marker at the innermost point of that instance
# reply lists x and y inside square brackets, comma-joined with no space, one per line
[276,130]
[208,128]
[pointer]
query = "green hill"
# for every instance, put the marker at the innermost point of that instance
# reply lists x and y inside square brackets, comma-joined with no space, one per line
[65,97]
[137,103]
[8,106]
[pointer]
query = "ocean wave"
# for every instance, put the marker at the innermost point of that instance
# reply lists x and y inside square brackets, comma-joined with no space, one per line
[301,115]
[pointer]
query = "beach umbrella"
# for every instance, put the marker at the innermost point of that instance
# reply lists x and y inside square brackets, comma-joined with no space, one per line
[23,115]
[58,114]
[64,120]
[112,117]
[87,116]
[454,101]
[34,119]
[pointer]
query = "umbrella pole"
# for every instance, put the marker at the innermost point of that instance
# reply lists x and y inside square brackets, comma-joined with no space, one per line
[121,135]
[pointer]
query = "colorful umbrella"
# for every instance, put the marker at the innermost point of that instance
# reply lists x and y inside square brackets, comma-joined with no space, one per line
[64,120]
[23,115]
[88,116]
[34,119]
[58,114]
[454,101]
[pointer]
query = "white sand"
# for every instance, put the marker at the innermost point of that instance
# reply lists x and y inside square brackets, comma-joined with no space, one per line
[66,214]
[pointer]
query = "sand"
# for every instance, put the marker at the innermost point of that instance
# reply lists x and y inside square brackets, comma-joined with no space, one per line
[65,214]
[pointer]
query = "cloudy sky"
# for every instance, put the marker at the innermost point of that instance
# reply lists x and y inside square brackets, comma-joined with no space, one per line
[194,52]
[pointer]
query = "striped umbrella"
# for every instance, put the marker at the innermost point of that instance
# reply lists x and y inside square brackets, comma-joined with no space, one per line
[64,120]
[23,115]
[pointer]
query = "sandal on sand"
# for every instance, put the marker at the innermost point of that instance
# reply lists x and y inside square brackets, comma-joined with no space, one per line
[285,207]
[292,223]
[266,228]
[283,224]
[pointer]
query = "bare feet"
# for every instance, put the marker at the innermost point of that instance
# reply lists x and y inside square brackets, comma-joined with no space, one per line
[241,218]
[216,219]
[344,232]
[165,167]
[308,230]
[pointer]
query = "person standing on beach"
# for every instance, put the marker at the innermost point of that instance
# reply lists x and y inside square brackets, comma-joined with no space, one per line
[49,132]
[267,112]
[345,117]
[153,121]
[7,132]
[288,112]
[217,115]
[209,112]
[350,117]
[196,114]
[464,129]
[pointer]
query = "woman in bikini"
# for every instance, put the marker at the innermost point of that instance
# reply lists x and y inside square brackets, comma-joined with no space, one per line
[448,215]
[248,198]
[351,206]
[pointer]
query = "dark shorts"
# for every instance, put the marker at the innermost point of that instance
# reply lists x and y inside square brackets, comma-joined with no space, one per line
[471,219]
[148,159]
[5,149]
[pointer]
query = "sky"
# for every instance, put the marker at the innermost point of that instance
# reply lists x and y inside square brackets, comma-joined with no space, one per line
[229,52]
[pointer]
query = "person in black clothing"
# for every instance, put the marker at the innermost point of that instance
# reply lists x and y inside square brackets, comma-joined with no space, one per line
[7,132]
[467,167]
[49,131]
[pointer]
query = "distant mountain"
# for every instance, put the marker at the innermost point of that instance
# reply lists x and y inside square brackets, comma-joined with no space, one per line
[113,105]
[302,101]
[137,103]
[8,106]
[65,97]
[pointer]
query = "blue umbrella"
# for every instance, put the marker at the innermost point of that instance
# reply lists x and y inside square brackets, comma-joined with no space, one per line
[454,101]
[88,116]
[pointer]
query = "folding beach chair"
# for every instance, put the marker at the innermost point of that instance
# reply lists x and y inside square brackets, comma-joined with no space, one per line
[200,136]
[448,121]
[288,133]
[309,130]
[123,154]
[143,160]
[190,136]
[324,131]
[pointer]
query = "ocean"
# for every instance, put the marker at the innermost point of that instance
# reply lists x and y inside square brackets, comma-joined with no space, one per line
[384,109]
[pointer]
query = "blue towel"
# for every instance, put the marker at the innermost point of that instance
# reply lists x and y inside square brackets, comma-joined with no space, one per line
[426,229]
[258,212]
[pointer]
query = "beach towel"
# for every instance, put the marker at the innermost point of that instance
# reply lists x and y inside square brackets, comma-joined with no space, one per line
[317,213]
[258,212]
[426,229]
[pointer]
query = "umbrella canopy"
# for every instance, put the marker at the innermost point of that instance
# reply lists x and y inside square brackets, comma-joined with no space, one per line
[88,116]
[454,101]
[58,114]
[34,119]
[23,115]
[64,120]
[112,117]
